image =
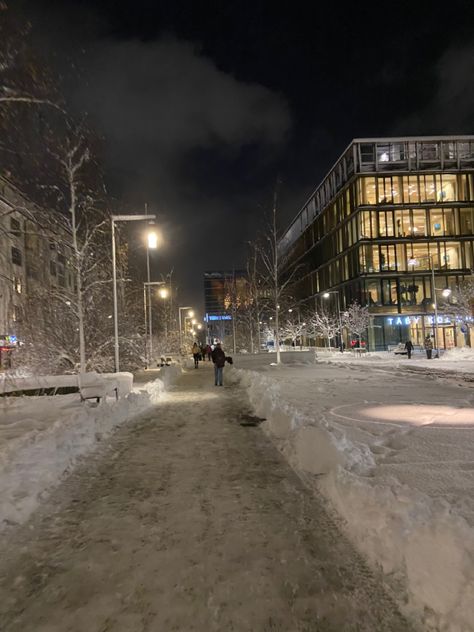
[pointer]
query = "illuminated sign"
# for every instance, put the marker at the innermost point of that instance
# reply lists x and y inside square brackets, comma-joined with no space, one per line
[218,317]
[408,320]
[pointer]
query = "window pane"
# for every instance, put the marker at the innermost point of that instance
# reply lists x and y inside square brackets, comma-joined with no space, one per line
[449,221]
[367,191]
[436,222]
[448,191]
[373,293]
[466,222]
[421,254]
[364,218]
[468,254]
[402,223]
[401,257]
[451,258]
[418,223]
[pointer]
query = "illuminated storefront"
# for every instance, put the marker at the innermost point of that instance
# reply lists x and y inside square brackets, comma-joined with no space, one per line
[389,212]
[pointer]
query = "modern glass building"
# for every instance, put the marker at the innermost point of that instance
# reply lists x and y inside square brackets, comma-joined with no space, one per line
[388,212]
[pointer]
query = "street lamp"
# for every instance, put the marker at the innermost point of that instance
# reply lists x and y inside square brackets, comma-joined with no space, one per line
[413,262]
[326,295]
[190,313]
[148,328]
[121,218]
[163,292]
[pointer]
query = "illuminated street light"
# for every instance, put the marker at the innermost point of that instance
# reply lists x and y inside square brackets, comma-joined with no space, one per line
[114,219]
[163,293]
[190,313]
[194,321]
[446,292]
[152,240]
[199,326]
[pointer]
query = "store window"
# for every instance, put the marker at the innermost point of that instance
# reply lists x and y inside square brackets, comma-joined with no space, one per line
[389,292]
[373,293]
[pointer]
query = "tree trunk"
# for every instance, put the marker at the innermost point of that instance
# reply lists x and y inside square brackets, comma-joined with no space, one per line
[78,258]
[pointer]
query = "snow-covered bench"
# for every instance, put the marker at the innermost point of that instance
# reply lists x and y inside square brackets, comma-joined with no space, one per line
[94,386]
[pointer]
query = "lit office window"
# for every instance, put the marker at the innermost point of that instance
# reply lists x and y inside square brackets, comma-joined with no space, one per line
[367,191]
[466,221]
[451,255]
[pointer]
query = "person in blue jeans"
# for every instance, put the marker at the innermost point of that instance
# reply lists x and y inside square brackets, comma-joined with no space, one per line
[218,357]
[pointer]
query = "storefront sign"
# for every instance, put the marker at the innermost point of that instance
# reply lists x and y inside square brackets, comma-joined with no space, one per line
[409,320]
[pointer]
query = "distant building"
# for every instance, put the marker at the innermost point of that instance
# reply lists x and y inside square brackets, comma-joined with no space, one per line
[34,260]
[220,291]
[389,211]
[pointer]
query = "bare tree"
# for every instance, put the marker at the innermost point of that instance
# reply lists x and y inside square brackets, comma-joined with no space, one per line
[356,318]
[273,268]
[323,325]
[292,329]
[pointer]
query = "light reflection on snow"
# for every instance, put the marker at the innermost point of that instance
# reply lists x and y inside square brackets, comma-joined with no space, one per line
[411,414]
[188,396]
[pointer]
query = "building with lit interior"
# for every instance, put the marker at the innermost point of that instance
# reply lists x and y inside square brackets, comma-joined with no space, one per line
[389,212]
[221,289]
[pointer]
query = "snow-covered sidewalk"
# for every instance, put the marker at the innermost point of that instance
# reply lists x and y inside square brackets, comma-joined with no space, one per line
[41,439]
[393,452]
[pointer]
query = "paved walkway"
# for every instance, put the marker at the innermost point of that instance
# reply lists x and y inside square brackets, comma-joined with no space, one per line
[187,520]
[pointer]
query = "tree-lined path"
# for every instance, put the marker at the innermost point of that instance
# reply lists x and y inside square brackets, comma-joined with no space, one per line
[187,520]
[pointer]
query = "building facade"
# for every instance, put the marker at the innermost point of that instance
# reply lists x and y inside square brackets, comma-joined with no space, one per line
[389,213]
[35,265]
[222,290]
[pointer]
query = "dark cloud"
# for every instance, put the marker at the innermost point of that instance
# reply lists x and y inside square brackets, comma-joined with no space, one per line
[450,108]
[166,93]
[194,142]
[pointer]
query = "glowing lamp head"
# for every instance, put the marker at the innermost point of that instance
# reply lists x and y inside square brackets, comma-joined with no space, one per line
[326,295]
[152,239]
[446,292]
[190,313]
[163,293]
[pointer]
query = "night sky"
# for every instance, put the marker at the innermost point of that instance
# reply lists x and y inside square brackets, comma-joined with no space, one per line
[205,105]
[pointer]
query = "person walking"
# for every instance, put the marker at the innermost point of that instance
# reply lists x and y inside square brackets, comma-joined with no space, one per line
[409,348]
[208,352]
[218,357]
[196,353]
[428,347]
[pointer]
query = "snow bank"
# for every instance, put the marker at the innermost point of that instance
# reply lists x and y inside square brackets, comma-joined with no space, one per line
[423,544]
[41,439]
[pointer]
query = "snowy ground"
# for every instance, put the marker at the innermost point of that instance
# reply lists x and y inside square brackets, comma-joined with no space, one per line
[188,518]
[393,451]
[41,439]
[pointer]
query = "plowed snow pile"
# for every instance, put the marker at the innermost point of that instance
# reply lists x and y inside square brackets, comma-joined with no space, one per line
[393,453]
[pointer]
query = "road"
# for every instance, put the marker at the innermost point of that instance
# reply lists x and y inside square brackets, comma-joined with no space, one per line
[187,520]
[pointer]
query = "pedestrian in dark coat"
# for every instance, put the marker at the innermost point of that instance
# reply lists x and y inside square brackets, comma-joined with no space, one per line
[409,348]
[209,352]
[218,357]
[196,353]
